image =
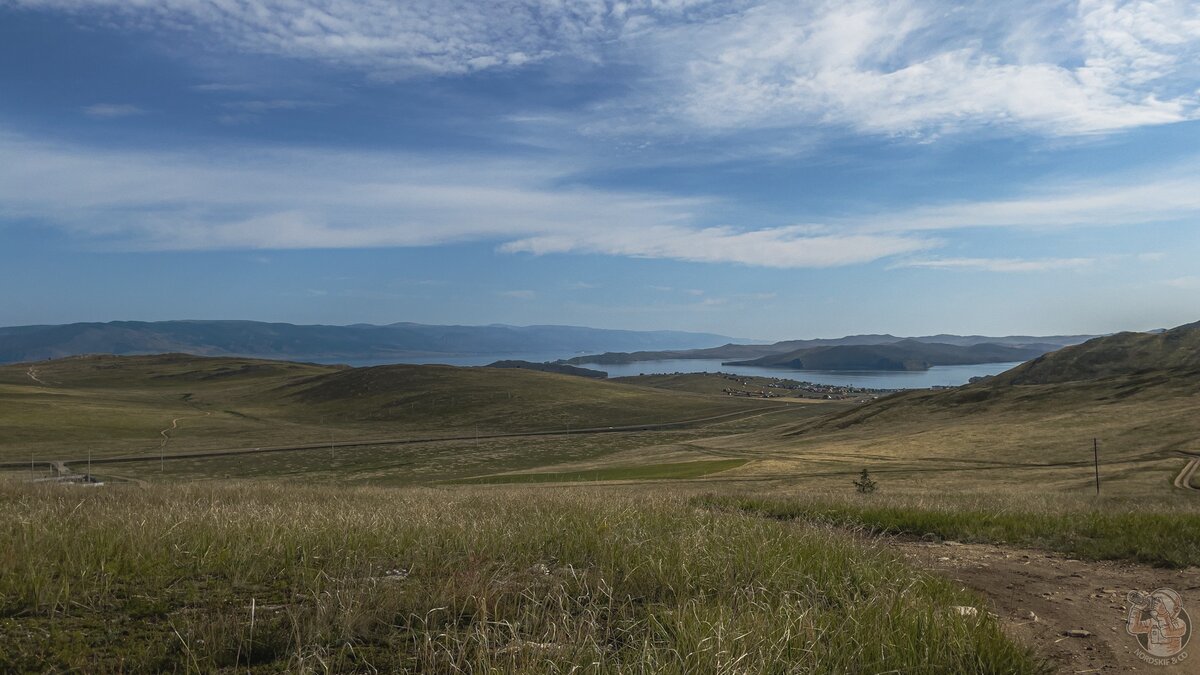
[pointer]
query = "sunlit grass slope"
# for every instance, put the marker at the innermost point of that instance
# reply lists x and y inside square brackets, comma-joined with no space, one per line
[119,405]
[274,578]
[1030,428]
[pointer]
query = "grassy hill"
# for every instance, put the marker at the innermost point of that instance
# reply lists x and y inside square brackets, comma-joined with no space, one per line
[111,405]
[1034,425]
[1174,353]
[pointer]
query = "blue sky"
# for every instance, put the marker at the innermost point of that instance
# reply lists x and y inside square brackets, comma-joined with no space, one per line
[753,168]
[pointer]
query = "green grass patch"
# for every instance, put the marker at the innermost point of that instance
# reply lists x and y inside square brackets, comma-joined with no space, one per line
[274,578]
[1158,532]
[672,470]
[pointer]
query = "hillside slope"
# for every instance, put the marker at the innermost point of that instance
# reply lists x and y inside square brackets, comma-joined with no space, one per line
[130,404]
[1175,353]
[1033,425]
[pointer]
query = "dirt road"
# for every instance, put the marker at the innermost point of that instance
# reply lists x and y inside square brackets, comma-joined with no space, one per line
[32,373]
[1184,480]
[166,433]
[1039,596]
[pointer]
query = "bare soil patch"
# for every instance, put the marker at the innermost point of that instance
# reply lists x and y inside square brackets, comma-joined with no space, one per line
[1040,596]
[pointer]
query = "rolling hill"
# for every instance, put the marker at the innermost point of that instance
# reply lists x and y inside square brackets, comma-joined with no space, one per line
[324,343]
[1174,353]
[119,405]
[1135,393]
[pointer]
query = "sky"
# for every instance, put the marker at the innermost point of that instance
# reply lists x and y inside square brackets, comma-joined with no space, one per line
[753,168]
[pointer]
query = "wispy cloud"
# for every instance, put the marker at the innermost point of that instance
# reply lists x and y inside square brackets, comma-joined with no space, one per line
[273,199]
[998,264]
[771,247]
[1174,195]
[398,39]
[1188,283]
[268,198]
[898,67]
[239,112]
[113,110]
[913,67]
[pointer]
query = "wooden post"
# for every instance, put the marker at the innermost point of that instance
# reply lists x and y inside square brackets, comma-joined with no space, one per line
[1096,454]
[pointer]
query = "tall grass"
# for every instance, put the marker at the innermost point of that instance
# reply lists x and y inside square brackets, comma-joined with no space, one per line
[1153,529]
[271,578]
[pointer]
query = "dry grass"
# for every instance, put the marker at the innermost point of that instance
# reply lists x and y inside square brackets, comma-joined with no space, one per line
[271,578]
[1162,529]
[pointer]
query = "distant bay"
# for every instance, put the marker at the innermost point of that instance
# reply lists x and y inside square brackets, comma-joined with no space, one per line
[938,376]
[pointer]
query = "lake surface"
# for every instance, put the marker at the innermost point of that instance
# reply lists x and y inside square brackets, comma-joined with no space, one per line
[938,376]
[943,376]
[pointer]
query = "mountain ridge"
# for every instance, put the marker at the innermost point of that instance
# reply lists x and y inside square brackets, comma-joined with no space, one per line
[745,352]
[323,342]
[908,355]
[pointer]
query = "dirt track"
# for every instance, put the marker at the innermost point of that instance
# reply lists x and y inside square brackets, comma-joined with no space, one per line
[1184,480]
[1063,594]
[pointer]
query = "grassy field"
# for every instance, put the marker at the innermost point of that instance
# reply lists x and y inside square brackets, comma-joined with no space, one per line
[731,544]
[665,471]
[273,578]
[1156,529]
[121,405]
[1023,438]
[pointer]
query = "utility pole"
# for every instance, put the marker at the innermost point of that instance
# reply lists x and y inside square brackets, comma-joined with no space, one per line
[1096,454]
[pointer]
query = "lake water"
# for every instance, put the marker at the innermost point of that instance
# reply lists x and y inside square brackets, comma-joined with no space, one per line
[938,376]
[943,376]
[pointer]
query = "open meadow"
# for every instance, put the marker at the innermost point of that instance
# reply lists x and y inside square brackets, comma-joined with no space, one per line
[274,517]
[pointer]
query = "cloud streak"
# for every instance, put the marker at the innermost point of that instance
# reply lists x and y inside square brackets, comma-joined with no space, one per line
[274,199]
[108,110]
[998,264]
[270,198]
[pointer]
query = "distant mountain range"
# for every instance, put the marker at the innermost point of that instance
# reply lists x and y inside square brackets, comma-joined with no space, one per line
[903,355]
[327,343]
[862,352]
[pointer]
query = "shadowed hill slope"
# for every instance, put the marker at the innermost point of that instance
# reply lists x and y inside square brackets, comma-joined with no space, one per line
[1174,352]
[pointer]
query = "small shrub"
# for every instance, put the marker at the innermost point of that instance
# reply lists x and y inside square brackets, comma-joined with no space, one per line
[864,484]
